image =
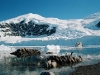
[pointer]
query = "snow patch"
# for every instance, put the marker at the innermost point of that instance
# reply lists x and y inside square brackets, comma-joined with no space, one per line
[53,48]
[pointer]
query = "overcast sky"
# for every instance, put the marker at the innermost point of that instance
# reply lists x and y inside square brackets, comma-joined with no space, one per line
[62,9]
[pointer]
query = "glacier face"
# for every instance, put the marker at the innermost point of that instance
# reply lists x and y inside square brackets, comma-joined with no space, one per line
[36,27]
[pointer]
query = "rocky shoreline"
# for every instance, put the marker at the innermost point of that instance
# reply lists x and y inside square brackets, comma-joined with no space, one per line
[53,61]
[87,70]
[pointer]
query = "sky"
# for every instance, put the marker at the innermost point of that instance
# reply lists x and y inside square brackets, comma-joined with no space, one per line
[62,9]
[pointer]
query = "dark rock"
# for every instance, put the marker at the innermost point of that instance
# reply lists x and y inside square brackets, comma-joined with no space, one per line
[59,61]
[47,73]
[29,29]
[98,25]
[21,22]
[87,70]
[49,53]
[23,52]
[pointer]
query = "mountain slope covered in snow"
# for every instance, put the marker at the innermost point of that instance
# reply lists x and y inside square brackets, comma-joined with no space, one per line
[35,27]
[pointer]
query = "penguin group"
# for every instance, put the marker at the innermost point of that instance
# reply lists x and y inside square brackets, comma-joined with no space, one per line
[57,61]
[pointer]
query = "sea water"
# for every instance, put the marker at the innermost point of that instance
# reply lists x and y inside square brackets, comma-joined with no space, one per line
[12,65]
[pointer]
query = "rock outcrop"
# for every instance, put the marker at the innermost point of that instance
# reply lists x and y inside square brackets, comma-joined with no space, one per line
[24,52]
[49,62]
[30,28]
[98,25]
[58,61]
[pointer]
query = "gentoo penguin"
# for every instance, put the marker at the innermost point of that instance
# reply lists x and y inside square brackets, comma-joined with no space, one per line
[71,60]
[79,59]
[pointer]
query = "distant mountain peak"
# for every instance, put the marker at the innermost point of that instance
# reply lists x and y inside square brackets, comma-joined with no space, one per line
[31,15]
[93,16]
[27,17]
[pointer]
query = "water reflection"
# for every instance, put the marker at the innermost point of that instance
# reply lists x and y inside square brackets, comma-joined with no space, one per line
[20,65]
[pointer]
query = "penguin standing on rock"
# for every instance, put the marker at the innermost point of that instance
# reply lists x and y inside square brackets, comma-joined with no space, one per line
[78,59]
[71,60]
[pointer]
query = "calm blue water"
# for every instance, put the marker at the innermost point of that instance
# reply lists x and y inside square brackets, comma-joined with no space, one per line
[12,65]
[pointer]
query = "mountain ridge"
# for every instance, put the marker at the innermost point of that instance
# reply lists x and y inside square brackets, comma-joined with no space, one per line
[71,29]
[93,16]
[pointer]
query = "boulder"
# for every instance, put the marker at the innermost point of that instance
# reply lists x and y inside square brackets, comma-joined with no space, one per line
[24,52]
[58,61]
[47,73]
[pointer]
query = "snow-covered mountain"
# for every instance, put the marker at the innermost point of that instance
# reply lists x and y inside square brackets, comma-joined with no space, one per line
[40,28]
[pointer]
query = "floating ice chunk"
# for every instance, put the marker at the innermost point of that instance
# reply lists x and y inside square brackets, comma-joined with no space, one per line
[53,48]
[78,45]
